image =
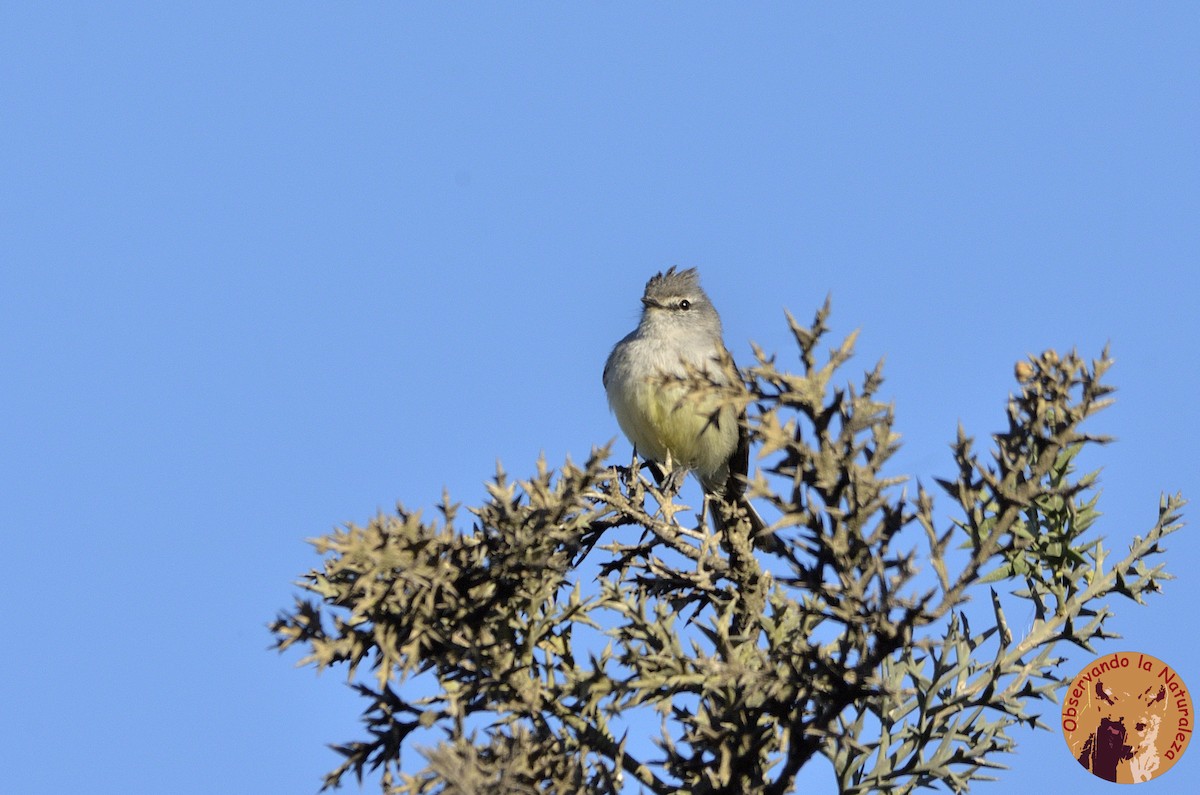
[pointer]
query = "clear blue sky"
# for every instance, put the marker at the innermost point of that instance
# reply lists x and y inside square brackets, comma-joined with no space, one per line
[268,267]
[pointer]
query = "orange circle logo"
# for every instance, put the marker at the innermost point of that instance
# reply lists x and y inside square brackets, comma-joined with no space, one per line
[1127,717]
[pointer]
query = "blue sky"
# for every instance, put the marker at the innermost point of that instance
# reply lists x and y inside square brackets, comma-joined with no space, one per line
[269,267]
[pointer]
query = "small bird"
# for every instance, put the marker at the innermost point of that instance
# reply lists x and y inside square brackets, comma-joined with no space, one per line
[651,381]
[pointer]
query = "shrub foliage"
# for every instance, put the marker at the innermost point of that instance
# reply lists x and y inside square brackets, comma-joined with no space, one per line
[535,633]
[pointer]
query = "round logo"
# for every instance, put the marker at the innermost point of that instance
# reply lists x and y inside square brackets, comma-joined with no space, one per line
[1127,717]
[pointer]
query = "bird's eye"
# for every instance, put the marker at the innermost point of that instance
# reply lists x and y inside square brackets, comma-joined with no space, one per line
[685,304]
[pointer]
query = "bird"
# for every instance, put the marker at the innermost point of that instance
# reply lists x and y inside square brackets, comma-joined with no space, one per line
[662,381]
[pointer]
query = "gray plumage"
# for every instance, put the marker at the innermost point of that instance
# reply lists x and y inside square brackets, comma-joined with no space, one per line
[667,419]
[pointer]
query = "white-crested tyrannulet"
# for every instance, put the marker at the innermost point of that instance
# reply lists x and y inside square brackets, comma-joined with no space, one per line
[670,418]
